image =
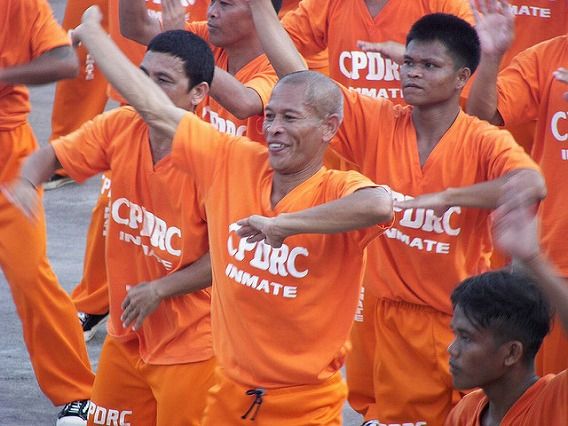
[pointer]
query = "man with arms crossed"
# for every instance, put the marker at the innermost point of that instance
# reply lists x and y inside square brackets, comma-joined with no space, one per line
[276,219]
[158,370]
[419,151]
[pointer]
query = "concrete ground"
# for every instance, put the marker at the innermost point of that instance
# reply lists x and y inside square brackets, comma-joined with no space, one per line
[68,214]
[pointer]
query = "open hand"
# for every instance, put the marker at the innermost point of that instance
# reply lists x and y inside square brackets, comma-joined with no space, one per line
[435,201]
[140,301]
[173,15]
[561,74]
[257,228]
[388,49]
[495,25]
[24,196]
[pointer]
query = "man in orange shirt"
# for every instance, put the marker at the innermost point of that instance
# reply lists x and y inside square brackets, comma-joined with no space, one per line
[268,269]
[524,91]
[500,320]
[419,150]
[156,250]
[35,50]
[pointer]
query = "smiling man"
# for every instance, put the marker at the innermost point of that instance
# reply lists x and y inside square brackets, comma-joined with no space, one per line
[439,239]
[280,227]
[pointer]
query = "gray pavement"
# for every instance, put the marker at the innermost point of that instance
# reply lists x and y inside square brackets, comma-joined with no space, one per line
[68,213]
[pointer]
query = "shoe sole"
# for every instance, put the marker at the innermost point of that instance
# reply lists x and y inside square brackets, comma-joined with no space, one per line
[89,334]
[50,186]
[71,421]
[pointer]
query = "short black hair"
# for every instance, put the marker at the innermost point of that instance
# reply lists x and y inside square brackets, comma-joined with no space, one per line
[197,57]
[459,37]
[509,304]
[277,5]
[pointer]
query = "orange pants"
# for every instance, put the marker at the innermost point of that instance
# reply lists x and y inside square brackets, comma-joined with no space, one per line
[129,391]
[52,333]
[412,380]
[80,99]
[359,365]
[308,405]
[91,294]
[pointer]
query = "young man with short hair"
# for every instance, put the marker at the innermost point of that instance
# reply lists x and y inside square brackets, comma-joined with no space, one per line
[446,170]
[157,362]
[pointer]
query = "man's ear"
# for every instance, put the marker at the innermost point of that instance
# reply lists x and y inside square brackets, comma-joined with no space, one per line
[464,73]
[330,127]
[513,351]
[198,93]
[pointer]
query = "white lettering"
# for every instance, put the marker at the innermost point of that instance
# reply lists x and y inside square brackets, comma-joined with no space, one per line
[554,126]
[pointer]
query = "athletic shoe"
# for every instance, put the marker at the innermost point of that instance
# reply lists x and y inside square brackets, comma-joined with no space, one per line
[73,414]
[91,323]
[371,423]
[57,181]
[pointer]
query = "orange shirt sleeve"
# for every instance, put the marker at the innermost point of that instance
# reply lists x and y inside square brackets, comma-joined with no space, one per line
[518,88]
[307,26]
[46,33]
[86,151]
[467,410]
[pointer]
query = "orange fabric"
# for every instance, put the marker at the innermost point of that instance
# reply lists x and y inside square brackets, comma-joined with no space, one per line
[128,391]
[411,373]
[527,91]
[314,405]
[196,9]
[91,294]
[359,364]
[258,74]
[551,358]
[296,303]
[380,137]
[32,25]
[339,24]
[317,62]
[148,237]
[544,403]
[80,99]
[49,319]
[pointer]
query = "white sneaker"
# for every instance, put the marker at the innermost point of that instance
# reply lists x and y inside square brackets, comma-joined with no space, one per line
[73,414]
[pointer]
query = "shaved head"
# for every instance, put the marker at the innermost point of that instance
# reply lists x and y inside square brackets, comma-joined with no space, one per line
[321,94]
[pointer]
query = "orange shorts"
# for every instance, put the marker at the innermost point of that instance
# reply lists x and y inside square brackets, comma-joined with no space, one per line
[411,373]
[129,391]
[313,405]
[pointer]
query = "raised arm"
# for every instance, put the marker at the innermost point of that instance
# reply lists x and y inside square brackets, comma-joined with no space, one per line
[135,23]
[484,195]
[276,43]
[157,110]
[363,208]
[515,233]
[143,299]
[55,64]
[495,28]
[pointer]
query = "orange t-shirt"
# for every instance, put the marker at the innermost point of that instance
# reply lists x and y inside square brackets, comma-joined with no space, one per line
[407,265]
[339,24]
[196,11]
[544,403]
[281,317]
[28,31]
[258,74]
[528,91]
[156,227]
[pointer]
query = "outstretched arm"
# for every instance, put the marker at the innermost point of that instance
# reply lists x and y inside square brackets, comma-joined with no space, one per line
[276,42]
[363,208]
[143,299]
[495,28]
[55,64]
[136,87]
[515,233]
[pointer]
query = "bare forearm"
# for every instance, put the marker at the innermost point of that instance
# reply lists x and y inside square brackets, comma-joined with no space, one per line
[56,64]
[275,41]
[554,287]
[363,208]
[240,100]
[482,99]
[136,87]
[486,195]
[135,23]
[40,166]
[194,277]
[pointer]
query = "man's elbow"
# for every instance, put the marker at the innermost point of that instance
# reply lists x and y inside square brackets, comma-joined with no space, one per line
[534,182]
[381,210]
[70,67]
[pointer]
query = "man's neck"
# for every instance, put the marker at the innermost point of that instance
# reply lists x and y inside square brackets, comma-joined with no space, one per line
[503,393]
[375,6]
[282,184]
[243,52]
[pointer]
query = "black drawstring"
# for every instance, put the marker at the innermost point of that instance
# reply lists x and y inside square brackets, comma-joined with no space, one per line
[258,394]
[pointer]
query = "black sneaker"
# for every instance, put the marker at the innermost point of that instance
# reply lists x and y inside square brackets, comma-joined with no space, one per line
[57,181]
[91,323]
[73,414]
[371,423]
